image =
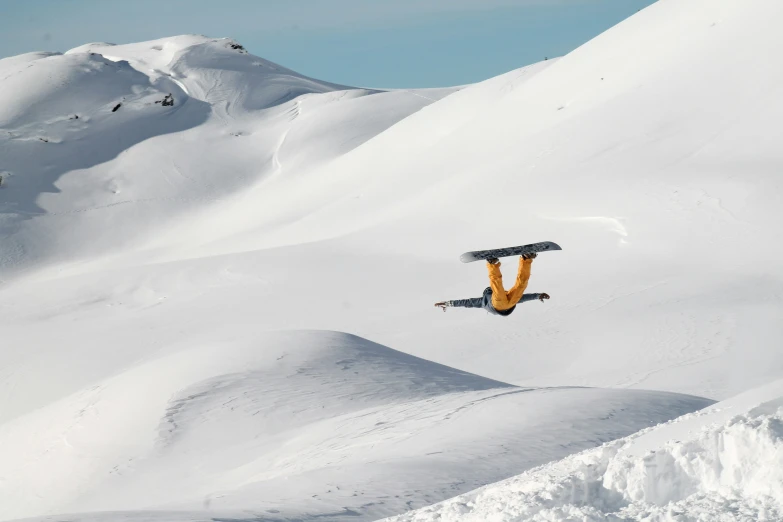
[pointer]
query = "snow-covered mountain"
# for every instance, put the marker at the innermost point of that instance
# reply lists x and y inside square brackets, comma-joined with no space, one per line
[218,274]
[129,139]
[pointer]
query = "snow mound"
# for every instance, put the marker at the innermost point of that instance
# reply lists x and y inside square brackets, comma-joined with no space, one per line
[302,423]
[719,470]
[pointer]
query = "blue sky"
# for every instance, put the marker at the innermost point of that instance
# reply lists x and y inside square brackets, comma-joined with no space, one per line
[376,43]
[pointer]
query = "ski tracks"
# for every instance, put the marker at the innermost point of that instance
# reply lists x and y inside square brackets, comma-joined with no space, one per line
[293,113]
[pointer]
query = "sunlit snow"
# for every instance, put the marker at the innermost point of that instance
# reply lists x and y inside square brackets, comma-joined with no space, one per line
[217,280]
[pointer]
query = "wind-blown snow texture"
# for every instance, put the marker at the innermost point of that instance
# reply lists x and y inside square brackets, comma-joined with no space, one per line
[188,232]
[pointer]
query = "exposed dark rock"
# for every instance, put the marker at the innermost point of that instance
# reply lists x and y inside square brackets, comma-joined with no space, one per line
[237,47]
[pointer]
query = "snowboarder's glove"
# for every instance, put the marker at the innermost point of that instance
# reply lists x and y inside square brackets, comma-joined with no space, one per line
[543,296]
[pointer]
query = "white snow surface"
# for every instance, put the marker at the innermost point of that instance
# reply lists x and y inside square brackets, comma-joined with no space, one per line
[217,277]
[302,424]
[714,465]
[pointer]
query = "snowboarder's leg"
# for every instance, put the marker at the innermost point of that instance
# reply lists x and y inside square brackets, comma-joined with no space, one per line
[523,276]
[499,297]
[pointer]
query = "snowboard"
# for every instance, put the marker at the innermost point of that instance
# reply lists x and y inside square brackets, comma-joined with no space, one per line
[469,257]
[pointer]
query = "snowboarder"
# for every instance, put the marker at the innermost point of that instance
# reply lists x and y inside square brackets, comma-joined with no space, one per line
[495,299]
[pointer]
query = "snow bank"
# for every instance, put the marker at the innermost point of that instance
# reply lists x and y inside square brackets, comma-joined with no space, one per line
[721,470]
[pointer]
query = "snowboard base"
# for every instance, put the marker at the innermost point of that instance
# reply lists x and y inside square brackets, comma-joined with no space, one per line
[477,255]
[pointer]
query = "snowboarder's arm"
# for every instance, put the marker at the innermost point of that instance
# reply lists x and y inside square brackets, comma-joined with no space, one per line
[533,297]
[476,302]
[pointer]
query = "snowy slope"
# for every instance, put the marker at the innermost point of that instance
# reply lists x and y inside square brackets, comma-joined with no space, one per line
[152,400]
[105,144]
[722,463]
[303,423]
[157,259]
[660,179]
[644,176]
